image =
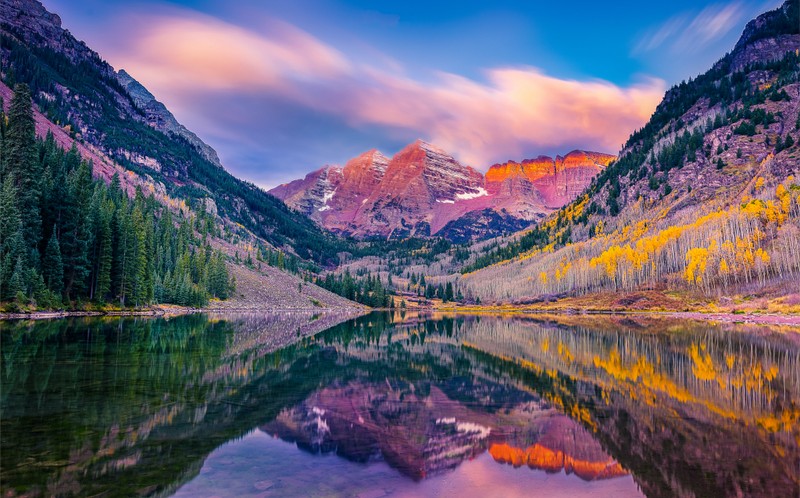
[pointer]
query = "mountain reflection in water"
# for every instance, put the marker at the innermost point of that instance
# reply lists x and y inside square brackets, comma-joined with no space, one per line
[407,405]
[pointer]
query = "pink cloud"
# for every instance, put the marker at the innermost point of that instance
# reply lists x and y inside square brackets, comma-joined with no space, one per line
[199,52]
[511,111]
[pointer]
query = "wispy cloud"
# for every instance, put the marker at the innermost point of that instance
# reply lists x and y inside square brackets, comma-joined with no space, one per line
[695,31]
[199,51]
[510,112]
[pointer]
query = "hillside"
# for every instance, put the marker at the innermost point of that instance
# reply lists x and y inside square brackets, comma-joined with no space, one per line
[111,114]
[423,191]
[88,120]
[704,198]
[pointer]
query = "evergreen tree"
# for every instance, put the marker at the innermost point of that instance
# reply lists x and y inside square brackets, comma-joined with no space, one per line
[11,240]
[75,236]
[52,265]
[16,284]
[20,161]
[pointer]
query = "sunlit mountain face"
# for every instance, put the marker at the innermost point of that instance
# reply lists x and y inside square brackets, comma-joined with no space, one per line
[410,405]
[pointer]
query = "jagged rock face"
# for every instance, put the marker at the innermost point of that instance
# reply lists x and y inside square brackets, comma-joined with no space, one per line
[311,194]
[30,23]
[360,177]
[759,44]
[540,185]
[422,190]
[160,118]
[38,26]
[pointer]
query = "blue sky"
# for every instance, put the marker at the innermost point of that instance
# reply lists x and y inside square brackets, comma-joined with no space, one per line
[281,88]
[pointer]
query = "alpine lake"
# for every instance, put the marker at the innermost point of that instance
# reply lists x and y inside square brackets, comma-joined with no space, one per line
[398,405]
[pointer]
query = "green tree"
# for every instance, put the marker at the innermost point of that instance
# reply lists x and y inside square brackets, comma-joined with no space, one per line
[52,265]
[20,161]
[12,243]
[75,237]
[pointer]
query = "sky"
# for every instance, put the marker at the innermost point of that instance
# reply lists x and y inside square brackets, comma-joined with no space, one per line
[282,87]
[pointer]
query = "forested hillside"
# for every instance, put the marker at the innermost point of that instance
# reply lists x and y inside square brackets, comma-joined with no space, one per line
[66,238]
[76,89]
[704,197]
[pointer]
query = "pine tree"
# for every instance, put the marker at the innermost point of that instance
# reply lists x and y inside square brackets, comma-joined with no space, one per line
[140,277]
[20,161]
[12,244]
[16,284]
[101,214]
[52,265]
[448,293]
[76,237]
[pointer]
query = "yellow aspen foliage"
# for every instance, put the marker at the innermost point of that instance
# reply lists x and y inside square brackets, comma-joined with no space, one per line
[598,229]
[696,262]
[757,238]
[702,364]
[761,256]
[759,183]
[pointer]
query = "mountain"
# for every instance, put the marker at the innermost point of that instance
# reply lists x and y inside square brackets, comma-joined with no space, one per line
[703,199]
[110,115]
[543,184]
[424,191]
[159,117]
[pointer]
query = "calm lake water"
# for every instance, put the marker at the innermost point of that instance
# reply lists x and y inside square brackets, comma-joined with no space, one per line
[398,406]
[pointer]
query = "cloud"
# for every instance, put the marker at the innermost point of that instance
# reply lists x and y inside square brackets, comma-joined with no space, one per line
[199,51]
[516,111]
[509,113]
[711,24]
[693,32]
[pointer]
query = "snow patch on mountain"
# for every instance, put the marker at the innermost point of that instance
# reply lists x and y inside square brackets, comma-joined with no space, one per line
[465,196]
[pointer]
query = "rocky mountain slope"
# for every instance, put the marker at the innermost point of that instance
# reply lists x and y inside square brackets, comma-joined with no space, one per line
[704,197]
[159,117]
[118,126]
[111,114]
[533,186]
[422,190]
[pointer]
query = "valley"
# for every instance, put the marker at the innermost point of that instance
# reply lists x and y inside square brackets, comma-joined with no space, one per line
[699,211]
[567,262]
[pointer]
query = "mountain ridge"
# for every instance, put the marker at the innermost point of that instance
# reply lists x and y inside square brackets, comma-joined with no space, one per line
[422,189]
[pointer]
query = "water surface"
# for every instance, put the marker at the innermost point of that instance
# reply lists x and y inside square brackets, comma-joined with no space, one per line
[398,406]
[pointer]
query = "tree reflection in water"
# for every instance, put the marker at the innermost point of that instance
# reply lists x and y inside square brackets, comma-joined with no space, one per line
[134,406]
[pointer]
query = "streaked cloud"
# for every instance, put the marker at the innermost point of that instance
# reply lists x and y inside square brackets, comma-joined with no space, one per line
[691,32]
[199,51]
[508,113]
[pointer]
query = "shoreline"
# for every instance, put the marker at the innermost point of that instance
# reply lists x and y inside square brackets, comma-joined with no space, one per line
[163,312]
[786,319]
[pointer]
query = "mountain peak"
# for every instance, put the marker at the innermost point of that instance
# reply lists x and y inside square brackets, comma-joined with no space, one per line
[767,37]
[771,24]
[423,188]
[420,144]
[372,160]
